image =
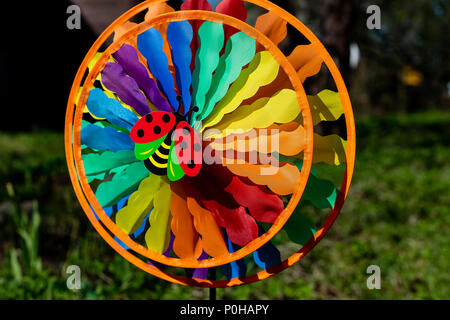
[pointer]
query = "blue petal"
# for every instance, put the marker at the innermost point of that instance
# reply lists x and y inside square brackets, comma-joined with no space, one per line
[234,269]
[180,36]
[268,255]
[98,138]
[103,107]
[150,44]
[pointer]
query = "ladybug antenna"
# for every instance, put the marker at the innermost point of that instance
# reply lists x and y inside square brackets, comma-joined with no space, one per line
[191,110]
[180,104]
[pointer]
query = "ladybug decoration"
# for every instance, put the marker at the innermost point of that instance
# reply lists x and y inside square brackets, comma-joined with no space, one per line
[168,144]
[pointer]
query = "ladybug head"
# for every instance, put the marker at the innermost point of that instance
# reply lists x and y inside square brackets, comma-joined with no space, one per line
[187,115]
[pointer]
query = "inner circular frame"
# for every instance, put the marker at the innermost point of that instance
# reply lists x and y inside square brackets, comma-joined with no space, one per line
[307,123]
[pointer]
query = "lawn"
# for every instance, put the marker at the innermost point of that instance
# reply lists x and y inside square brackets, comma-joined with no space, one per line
[397,216]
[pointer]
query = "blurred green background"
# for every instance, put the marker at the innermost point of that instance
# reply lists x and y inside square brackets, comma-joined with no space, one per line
[397,215]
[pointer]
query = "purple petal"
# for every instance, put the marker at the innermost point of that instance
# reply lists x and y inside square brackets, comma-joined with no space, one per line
[166,253]
[128,58]
[200,273]
[115,79]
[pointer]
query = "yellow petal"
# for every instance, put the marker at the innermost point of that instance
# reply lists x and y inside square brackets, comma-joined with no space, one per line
[130,218]
[262,70]
[158,234]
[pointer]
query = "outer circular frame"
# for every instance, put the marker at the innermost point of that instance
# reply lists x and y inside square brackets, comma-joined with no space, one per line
[350,155]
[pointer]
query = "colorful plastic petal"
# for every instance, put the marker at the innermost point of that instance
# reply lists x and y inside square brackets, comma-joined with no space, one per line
[98,138]
[165,253]
[179,34]
[150,44]
[268,255]
[196,24]
[100,164]
[126,88]
[157,237]
[212,239]
[263,69]
[325,106]
[241,228]
[128,58]
[306,61]
[110,109]
[287,139]
[322,193]
[330,149]
[186,244]
[154,10]
[272,26]
[211,39]
[131,217]
[281,178]
[281,108]
[122,184]
[234,269]
[263,206]
[198,273]
[299,228]
[234,8]
[115,207]
[240,50]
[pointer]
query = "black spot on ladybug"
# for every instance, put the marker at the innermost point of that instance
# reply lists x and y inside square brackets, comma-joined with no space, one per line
[197,147]
[157,129]
[140,133]
[166,118]
[191,164]
[183,145]
[149,118]
[186,131]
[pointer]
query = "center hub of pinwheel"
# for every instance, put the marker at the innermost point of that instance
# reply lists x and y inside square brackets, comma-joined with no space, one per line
[167,143]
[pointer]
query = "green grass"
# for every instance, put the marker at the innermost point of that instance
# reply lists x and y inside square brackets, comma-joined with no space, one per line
[397,216]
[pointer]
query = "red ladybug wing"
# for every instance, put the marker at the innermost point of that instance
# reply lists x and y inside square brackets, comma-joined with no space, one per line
[152,126]
[188,149]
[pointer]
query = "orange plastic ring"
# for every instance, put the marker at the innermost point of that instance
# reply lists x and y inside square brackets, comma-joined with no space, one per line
[350,157]
[307,123]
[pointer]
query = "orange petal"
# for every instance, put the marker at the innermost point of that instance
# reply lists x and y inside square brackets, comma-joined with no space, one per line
[186,244]
[124,28]
[288,139]
[212,239]
[282,180]
[273,27]
[306,61]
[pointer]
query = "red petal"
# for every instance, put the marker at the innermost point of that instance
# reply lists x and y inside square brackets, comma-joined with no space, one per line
[263,206]
[196,5]
[241,228]
[234,8]
[210,184]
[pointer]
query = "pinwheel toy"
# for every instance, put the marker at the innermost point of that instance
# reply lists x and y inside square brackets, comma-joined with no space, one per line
[193,146]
